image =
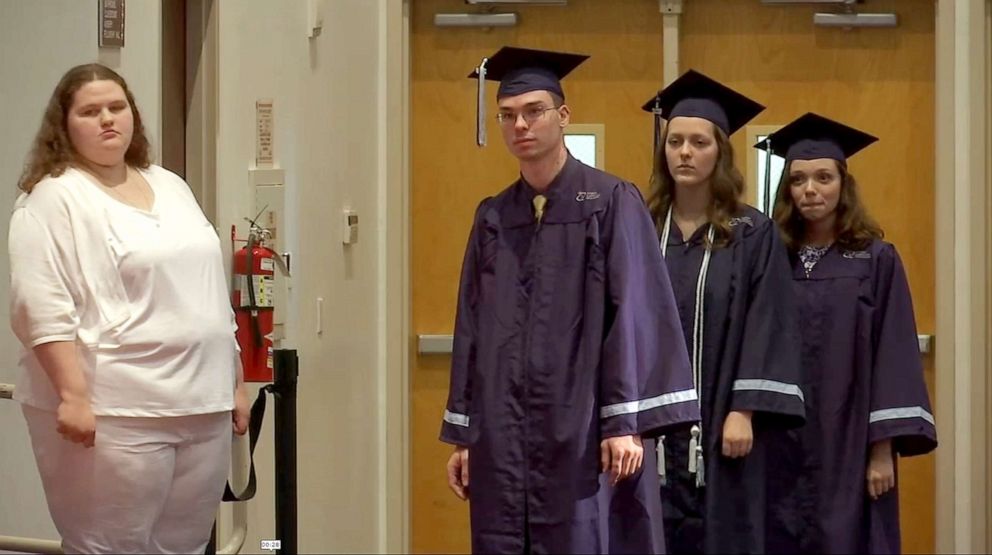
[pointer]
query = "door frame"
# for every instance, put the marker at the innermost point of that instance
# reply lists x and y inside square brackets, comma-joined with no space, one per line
[201,102]
[394,126]
[964,322]
[173,79]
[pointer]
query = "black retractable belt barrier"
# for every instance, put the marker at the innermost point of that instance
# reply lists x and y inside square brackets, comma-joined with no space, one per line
[255,419]
[254,428]
[283,390]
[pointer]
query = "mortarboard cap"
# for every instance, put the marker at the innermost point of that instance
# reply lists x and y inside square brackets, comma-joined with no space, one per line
[811,137]
[522,70]
[696,95]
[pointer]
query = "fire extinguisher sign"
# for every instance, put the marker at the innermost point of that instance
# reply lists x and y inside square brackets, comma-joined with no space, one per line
[263,286]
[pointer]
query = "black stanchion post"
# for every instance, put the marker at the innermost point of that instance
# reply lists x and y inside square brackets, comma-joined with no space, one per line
[286,370]
[212,543]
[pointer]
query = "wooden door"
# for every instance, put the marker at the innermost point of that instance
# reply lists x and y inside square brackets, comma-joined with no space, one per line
[450,175]
[880,80]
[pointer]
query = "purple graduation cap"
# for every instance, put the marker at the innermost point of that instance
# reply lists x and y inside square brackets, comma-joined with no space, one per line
[521,70]
[812,136]
[696,95]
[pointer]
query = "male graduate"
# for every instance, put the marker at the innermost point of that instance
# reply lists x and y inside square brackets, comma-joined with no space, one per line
[569,357]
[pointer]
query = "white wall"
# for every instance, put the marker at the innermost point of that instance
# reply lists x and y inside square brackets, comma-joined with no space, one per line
[40,40]
[327,95]
[330,138]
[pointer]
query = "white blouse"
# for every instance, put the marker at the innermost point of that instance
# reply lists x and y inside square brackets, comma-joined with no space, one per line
[142,293]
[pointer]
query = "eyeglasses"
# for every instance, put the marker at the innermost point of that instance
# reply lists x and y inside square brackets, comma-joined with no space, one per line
[530,115]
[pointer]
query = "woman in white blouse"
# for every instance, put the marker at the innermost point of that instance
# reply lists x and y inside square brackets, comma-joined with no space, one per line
[130,374]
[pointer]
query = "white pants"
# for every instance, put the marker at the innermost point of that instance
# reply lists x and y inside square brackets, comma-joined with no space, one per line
[148,485]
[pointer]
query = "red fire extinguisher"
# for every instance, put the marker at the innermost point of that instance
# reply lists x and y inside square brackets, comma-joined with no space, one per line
[252,299]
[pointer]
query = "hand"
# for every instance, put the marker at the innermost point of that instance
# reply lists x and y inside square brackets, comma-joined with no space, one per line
[621,456]
[242,410]
[738,437]
[458,472]
[76,422]
[881,475]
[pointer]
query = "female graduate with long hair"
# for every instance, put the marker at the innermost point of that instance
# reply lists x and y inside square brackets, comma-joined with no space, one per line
[729,272]
[866,398]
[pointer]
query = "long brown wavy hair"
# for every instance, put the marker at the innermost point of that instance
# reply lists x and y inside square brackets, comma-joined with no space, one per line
[726,184]
[855,228]
[52,151]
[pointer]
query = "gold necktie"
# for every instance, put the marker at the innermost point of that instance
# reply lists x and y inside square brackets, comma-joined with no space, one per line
[539,202]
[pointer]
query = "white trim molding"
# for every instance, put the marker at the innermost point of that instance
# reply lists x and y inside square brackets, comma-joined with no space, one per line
[962,271]
[671,21]
[394,295]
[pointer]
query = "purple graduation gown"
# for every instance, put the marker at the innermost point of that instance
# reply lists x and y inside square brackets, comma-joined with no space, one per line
[566,334]
[750,363]
[864,384]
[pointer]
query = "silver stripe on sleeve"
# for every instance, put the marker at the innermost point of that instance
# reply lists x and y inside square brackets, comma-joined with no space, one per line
[900,413]
[456,419]
[771,386]
[631,407]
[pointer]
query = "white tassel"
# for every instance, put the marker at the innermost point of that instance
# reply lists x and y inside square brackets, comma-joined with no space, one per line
[696,463]
[693,449]
[660,448]
[700,468]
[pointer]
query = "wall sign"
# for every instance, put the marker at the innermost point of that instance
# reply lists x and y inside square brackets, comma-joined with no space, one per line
[111,18]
